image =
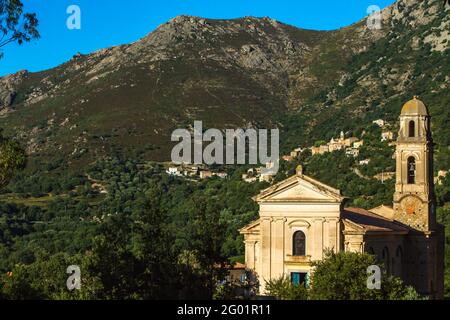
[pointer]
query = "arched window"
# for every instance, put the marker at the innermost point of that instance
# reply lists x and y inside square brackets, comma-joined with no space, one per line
[385,257]
[411,170]
[299,244]
[412,129]
[399,252]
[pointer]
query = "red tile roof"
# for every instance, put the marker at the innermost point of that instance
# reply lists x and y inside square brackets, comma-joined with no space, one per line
[239,266]
[370,221]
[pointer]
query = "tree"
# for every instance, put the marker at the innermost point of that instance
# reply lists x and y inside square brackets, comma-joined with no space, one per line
[343,276]
[46,279]
[206,242]
[232,289]
[12,159]
[132,256]
[282,289]
[15,25]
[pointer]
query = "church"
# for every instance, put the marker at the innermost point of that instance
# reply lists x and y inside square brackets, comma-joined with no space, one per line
[300,218]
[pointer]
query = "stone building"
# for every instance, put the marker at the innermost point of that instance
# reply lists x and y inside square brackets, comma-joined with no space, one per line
[387,136]
[300,217]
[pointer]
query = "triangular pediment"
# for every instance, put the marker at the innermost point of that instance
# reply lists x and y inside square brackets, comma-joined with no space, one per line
[352,227]
[252,228]
[300,189]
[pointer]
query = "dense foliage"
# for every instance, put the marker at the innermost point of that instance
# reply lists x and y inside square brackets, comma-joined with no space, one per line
[282,288]
[12,159]
[151,236]
[341,276]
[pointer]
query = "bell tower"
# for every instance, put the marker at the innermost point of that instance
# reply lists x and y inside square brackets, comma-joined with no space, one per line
[415,203]
[414,199]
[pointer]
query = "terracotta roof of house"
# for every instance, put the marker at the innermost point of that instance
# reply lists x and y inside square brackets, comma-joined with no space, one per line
[239,266]
[370,221]
[235,266]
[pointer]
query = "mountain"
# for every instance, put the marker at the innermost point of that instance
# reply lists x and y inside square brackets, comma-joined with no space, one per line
[249,72]
[412,58]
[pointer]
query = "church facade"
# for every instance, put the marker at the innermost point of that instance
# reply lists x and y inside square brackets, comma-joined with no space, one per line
[300,218]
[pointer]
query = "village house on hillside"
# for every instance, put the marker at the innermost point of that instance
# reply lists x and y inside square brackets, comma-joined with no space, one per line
[340,143]
[256,174]
[194,172]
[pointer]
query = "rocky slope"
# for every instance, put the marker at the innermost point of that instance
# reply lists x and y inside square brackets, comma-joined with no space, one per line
[412,58]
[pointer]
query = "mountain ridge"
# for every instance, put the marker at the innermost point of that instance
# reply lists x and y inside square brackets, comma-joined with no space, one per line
[246,72]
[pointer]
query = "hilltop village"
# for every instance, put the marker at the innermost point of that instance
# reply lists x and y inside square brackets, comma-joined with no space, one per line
[351,145]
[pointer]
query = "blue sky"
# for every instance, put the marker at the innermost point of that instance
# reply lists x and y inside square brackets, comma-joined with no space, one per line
[105,23]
